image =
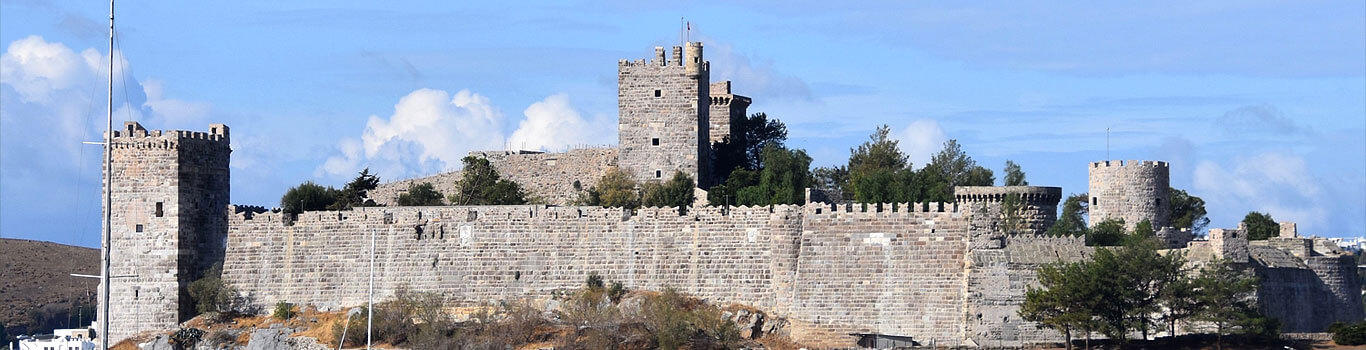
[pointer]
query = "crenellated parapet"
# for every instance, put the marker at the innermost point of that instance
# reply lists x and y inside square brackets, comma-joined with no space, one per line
[1038,205]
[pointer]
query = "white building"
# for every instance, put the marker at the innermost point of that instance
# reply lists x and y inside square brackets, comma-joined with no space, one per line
[61,339]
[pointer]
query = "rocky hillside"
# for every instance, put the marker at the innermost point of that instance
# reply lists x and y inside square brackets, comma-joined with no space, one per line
[35,280]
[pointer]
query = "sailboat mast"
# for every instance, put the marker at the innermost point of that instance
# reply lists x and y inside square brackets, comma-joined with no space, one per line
[108,193]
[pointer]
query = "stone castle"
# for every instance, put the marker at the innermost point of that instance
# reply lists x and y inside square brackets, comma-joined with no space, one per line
[945,273]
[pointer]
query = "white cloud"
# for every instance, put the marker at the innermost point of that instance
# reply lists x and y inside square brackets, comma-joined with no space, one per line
[174,113]
[920,140]
[553,125]
[430,131]
[758,79]
[1272,182]
[38,69]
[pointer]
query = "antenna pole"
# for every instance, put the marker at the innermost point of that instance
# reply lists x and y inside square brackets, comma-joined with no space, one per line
[1107,143]
[108,193]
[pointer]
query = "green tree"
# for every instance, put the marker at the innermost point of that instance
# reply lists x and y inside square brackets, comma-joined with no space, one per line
[356,192]
[480,184]
[1015,176]
[677,192]
[744,148]
[423,194]
[873,165]
[1143,231]
[783,180]
[1227,296]
[1066,300]
[978,176]
[1180,300]
[1260,226]
[1107,233]
[1187,211]
[1072,221]
[1144,274]
[307,196]
[213,295]
[958,168]
[615,189]
[834,181]
[728,193]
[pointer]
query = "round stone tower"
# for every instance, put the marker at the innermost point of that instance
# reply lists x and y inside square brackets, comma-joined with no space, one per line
[1130,190]
[1038,205]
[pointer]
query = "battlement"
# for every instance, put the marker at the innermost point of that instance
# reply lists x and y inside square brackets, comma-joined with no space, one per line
[134,130]
[1129,163]
[995,194]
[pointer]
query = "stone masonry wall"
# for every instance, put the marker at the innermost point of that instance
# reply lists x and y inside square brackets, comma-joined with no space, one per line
[547,177]
[889,272]
[551,177]
[477,254]
[663,116]
[726,109]
[1038,205]
[1130,190]
[896,272]
[169,190]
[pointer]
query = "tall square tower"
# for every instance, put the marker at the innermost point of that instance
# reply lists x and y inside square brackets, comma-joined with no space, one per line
[664,125]
[168,223]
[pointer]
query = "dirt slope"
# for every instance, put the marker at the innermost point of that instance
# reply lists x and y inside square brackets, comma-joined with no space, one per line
[34,275]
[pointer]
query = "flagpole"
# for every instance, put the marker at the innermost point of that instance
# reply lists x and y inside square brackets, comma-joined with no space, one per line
[108,191]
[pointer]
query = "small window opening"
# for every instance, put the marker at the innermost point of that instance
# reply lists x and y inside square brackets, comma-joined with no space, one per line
[1157,202]
[138,228]
[657,93]
[135,293]
[1095,201]
[159,212]
[658,174]
[654,141]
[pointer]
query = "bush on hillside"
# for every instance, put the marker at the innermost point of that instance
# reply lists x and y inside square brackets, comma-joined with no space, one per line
[1348,334]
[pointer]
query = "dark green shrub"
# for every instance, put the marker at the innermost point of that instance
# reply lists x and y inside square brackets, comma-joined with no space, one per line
[283,310]
[1349,334]
[594,281]
[186,338]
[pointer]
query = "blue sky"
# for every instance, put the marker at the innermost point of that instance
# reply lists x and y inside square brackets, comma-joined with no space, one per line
[1258,105]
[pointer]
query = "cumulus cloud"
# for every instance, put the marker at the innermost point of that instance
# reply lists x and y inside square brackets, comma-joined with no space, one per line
[920,140]
[54,98]
[1273,182]
[552,125]
[430,131]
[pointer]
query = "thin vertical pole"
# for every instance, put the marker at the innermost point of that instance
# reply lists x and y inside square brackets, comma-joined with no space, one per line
[1107,144]
[108,191]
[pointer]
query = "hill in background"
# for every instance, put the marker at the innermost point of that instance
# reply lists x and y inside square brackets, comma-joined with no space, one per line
[37,292]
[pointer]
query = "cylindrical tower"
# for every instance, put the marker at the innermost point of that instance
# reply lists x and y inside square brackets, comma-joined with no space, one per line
[1038,205]
[694,62]
[1130,190]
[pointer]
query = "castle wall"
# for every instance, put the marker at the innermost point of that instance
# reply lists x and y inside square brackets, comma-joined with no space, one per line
[1000,275]
[547,177]
[477,254]
[1130,190]
[896,273]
